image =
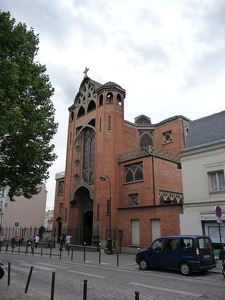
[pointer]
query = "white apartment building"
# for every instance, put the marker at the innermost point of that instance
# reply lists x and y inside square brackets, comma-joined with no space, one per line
[203,169]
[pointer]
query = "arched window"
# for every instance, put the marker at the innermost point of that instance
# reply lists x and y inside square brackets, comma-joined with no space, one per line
[146,140]
[109,98]
[81,112]
[119,99]
[100,100]
[91,106]
[88,155]
[134,172]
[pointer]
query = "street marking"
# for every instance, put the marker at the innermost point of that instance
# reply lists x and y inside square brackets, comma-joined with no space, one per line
[39,267]
[22,269]
[50,265]
[87,274]
[165,289]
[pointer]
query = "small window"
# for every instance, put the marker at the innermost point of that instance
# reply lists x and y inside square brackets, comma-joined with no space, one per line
[167,137]
[109,122]
[133,200]
[60,208]
[216,180]
[61,188]
[108,208]
[100,124]
[71,116]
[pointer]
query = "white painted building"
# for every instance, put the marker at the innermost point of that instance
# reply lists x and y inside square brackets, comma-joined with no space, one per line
[203,169]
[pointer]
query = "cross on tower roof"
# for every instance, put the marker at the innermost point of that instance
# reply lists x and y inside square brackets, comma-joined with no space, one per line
[85,72]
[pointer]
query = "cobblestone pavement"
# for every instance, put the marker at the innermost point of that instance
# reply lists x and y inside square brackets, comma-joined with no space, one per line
[16,291]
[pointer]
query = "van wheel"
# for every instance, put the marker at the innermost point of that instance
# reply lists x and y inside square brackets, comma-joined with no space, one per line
[185,269]
[143,264]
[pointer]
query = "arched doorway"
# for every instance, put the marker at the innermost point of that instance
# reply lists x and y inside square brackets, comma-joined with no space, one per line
[85,220]
[87,227]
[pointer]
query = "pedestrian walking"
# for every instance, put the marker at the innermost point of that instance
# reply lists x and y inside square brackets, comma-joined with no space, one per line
[68,237]
[36,240]
[62,242]
[13,242]
[17,240]
[30,247]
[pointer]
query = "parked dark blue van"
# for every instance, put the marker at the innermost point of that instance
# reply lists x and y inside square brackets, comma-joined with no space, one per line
[185,253]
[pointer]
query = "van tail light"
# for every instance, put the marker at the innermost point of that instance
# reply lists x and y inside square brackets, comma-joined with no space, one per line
[197,253]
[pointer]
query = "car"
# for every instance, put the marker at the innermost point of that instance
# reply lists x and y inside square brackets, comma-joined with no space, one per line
[185,253]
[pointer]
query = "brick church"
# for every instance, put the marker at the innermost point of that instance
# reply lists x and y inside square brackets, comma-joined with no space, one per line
[122,184]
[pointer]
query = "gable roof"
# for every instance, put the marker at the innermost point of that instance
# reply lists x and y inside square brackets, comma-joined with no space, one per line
[206,131]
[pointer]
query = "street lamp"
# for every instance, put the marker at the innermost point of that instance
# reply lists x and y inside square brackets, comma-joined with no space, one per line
[109,247]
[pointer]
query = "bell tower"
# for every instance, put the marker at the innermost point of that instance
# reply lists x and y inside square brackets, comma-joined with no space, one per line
[109,143]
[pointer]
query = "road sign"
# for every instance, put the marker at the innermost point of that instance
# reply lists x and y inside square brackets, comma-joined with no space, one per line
[218,211]
[17,223]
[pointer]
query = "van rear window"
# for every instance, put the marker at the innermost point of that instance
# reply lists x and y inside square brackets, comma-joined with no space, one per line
[204,244]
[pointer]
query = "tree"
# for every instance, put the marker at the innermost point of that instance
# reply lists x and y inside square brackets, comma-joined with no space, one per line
[27,123]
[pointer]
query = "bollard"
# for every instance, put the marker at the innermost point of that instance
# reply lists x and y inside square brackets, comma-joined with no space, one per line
[53,286]
[9,270]
[41,251]
[72,254]
[99,249]
[84,251]
[85,290]
[19,250]
[60,253]
[50,252]
[136,295]
[6,248]
[117,258]
[26,249]
[28,279]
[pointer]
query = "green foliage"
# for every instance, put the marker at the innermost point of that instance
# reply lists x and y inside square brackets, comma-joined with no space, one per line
[27,123]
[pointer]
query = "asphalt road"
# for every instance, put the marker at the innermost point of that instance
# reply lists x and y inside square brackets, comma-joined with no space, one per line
[111,277]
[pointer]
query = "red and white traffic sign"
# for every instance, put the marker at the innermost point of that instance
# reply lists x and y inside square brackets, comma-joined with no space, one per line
[218,211]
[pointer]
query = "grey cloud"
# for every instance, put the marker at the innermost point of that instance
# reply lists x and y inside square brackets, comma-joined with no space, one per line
[52,21]
[56,22]
[206,67]
[213,20]
[147,53]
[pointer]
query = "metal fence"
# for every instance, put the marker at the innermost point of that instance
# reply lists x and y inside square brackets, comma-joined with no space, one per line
[79,237]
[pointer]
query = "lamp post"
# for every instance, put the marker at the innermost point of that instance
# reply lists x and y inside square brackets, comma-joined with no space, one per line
[109,251]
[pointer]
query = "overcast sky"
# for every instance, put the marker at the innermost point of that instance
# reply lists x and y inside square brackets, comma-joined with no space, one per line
[169,55]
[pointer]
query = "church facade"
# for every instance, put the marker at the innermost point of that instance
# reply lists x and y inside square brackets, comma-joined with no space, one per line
[122,184]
